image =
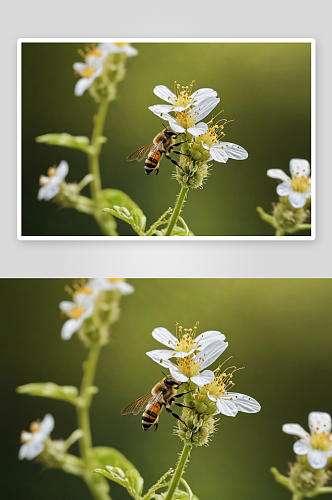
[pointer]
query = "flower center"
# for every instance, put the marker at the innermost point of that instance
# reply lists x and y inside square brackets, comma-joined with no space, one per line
[83,289]
[186,343]
[87,72]
[183,94]
[185,119]
[210,137]
[321,441]
[75,312]
[301,184]
[187,366]
[222,382]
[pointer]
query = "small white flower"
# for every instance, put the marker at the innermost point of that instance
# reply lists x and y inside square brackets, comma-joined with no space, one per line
[229,403]
[318,445]
[221,151]
[34,441]
[89,71]
[187,365]
[297,188]
[189,108]
[116,48]
[50,184]
[109,284]
[78,310]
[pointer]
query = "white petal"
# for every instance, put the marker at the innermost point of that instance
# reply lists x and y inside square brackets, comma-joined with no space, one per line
[302,446]
[69,327]
[163,362]
[160,354]
[202,94]
[284,189]
[317,459]
[297,200]
[125,288]
[164,93]
[243,403]
[47,424]
[62,170]
[203,108]
[26,436]
[175,126]
[183,354]
[48,192]
[227,407]
[130,51]
[66,305]
[165,337]
[162,110]
[209,337]
[276,173]
[175,372]
[79,66]
[198,129]
[208,355]
[31,450]
[212,398]
[319,422]
[295,430]
[234,151]
[203,378]
[82,85]
[218,154]
[299,168]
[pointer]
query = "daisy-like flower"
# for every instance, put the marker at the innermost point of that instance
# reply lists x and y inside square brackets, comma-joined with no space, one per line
[109,284]
[318,445]
[78,310]
[229,403]
[297,188]
[50,184]
[117,48]
[34,441]
[189,107]
[89,71]
[221,151]
[191,354]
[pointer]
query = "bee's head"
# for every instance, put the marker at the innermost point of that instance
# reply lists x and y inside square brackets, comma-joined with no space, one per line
[169,132]
[170,381]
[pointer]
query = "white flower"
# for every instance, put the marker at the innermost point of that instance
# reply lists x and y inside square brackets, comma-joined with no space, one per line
[297,188]
[221,151]
[188,108]
[78,310]
[118,47]
[318,445]
[229,403]
[192,354]
[50,184]
[89,71]
[108,284]
[34,441]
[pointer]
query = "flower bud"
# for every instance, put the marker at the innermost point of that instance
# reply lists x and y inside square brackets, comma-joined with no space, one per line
[306,481]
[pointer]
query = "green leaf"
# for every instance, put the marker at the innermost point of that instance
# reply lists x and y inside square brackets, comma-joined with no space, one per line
[67,140]
[67,393]
[131,480]
[111,197]
[101,456]
[128,217]
[139,218]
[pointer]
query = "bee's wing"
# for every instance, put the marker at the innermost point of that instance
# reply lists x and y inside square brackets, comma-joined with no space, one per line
[138,405]
[141,153]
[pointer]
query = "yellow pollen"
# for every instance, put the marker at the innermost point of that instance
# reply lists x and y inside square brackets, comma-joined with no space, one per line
[75,313]
[93,52]
[115,280]
[87,72]
[321,441]
[301,184]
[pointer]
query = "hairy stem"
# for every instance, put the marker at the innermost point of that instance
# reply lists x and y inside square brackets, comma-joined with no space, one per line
[176,211]
[178,471]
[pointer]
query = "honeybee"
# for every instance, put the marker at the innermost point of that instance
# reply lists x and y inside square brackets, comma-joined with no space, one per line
[163,144]
[163,394]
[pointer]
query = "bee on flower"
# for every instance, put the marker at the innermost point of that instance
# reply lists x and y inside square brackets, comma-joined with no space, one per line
[34,441]
[298,187]
[51,183]
[191,354]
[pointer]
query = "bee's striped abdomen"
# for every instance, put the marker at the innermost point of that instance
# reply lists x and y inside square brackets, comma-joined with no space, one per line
[152,161]
[150,415]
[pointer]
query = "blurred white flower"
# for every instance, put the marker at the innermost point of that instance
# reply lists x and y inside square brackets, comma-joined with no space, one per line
[318,445]
[34,441]
[297,188]
[50,184]
[118,47]
[89,71]
[187,365]
[78,310]
[229,403]
[108,284]
[188,107]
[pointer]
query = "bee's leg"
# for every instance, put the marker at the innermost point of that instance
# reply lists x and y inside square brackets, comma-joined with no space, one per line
[175,415]
[156,426]
[182,394]
[179,153]
[174,162]
[184,406]
[157,170]
[178,143]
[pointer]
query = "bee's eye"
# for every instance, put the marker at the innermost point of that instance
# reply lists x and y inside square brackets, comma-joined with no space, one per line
[171,382]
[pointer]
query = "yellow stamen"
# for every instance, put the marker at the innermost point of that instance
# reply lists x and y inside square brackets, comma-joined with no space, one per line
[75,313]
[301,184]
[321,441]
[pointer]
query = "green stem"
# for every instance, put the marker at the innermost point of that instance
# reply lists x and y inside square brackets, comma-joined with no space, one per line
[99,122]
[176,211]
[297,496]
[305,226]
[280,232]
[83,418]
[178,472]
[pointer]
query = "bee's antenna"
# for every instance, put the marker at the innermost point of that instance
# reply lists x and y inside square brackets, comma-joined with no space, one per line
[164,374]
[164,125]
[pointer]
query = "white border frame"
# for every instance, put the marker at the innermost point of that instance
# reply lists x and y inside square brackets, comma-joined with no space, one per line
[312,41]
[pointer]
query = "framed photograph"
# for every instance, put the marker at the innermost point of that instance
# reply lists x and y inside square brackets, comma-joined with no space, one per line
[196,138]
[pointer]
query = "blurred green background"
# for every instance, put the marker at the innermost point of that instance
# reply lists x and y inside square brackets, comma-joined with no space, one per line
[263,87]
[279,329]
